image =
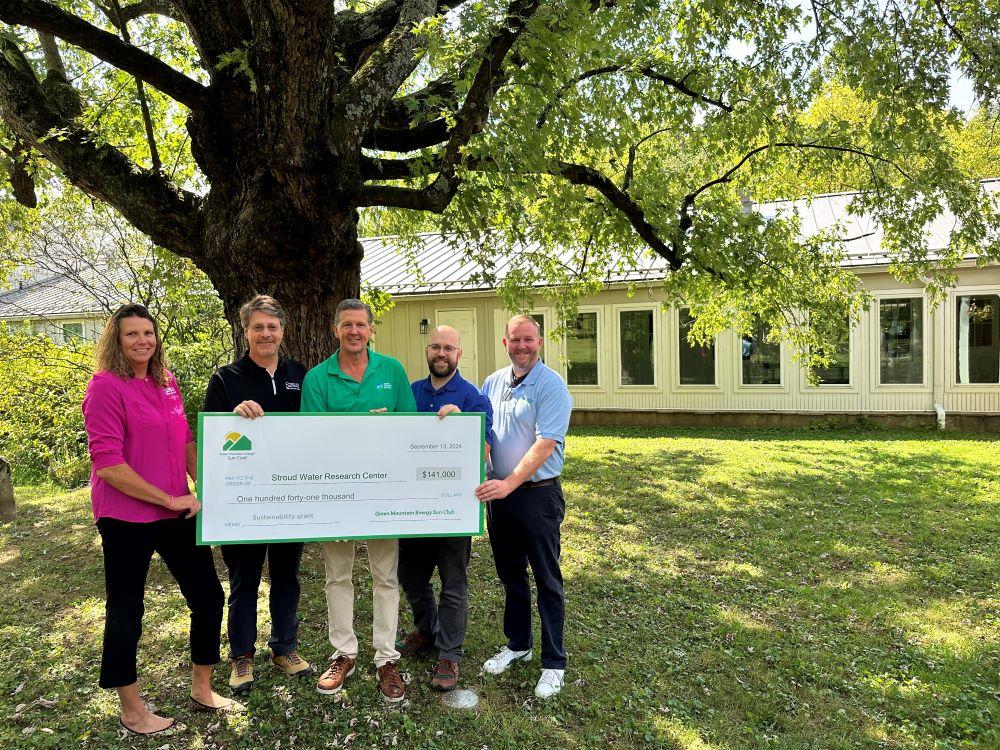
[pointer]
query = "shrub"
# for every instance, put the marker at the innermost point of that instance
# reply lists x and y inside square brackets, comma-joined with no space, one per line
[41,391]
[41,424]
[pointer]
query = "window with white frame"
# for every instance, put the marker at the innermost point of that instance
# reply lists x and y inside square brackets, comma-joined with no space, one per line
[540,319]
[761,358]
[635,328]
[581,350]
[838,372]
[697,363]
[72,332]
[901,340]
[977,339]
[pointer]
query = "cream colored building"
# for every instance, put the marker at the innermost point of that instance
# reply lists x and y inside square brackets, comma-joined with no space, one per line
[629,360]
[630,355]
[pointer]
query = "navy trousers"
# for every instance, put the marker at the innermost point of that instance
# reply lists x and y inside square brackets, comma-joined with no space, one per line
[445,624]
[128,549]
[246,566]
[524,531]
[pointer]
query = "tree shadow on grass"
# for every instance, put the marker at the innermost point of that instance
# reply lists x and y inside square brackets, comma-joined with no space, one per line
[796,590]
[775,605]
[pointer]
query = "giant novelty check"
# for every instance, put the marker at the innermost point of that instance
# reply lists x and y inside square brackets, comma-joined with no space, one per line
[310,477]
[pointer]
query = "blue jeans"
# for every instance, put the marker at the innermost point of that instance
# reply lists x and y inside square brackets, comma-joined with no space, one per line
[524,531]
[246,565]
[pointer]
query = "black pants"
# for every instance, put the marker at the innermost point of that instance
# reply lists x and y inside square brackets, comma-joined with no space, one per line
[246,565]
[444,623]
[524,530]
[128,550]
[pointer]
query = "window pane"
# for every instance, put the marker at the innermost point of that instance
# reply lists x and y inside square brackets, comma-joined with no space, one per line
[978,339]
[901,340]
[72,331]
[761,360]
[540,319]
[581,348]
[697,362]
[838,372]
[636,327]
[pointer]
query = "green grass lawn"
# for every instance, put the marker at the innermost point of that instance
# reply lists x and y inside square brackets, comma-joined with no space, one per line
[725,590]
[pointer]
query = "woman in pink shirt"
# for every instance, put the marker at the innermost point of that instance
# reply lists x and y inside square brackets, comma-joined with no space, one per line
[142,453]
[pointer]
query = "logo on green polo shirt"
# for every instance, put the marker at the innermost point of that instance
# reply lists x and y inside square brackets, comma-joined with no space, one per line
[237,442]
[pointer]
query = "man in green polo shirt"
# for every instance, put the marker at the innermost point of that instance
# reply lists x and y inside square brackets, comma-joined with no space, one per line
[356,379]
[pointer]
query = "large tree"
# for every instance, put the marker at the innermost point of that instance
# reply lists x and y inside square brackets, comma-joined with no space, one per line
[604,127]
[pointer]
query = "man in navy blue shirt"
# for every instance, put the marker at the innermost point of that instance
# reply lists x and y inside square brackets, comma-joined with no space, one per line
[443,625]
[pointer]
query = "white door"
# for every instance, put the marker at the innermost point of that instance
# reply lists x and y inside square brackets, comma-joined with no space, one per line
[464,321]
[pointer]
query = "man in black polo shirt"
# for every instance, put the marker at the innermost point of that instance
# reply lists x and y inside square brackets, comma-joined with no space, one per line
[262,381]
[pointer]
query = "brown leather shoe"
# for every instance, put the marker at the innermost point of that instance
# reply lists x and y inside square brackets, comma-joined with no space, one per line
[414,644]
[390,682]
[445,675]
[332,680]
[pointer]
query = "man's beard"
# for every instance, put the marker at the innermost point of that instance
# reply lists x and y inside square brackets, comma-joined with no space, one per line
[435,365]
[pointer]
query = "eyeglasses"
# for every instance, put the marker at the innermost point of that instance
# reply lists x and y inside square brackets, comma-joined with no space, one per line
[438,348]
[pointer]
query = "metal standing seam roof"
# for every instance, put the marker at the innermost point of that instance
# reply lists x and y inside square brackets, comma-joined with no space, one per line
[445,267]
[62,295]
[863,245]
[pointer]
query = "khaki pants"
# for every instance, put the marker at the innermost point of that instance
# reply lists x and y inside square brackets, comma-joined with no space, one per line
[383,555]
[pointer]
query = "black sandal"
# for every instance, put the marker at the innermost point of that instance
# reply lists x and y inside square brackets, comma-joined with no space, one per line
[174,727]
[233,707]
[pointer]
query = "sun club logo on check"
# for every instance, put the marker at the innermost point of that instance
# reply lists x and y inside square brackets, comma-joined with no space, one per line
[237,442]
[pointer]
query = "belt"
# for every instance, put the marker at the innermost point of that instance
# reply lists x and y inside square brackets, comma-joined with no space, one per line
[539,483]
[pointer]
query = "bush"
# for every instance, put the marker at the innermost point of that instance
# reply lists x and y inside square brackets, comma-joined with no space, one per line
[41,424]
[42,385]
[193,365]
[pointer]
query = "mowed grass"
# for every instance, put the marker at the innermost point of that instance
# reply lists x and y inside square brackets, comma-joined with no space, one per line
[725,590]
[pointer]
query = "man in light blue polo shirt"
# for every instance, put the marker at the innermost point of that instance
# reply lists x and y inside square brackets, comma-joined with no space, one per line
[531,410]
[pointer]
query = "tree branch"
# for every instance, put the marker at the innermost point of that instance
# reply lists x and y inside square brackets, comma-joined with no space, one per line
[443,91]
[686,221]
[170,216]
[356,33]
[434,197]
[373,85]
[216,26]
[150,7]
[49,19]
[471,119]
[137,10]
[956,33]
[147,120]
[632,152]
[646,71]
[579,174]
[475,110]
[408,139]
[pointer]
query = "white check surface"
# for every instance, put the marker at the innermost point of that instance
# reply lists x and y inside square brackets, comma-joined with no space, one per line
[316,477]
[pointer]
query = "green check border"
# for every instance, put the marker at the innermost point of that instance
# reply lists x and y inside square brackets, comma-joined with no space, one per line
[201,495]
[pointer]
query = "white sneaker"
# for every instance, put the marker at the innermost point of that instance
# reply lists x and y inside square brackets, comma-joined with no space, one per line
[499,663]
[550,682]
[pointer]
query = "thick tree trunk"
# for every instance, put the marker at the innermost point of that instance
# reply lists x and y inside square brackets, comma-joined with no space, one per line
[7,508]
[259,242]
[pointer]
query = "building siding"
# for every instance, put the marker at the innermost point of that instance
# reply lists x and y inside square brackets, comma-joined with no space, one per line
[398,334]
